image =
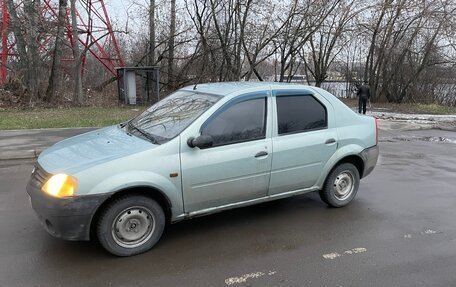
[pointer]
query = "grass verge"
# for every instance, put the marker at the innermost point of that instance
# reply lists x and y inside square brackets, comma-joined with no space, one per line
[432,109]
[11,119]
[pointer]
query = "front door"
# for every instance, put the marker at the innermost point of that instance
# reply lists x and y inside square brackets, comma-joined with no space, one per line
[237,167]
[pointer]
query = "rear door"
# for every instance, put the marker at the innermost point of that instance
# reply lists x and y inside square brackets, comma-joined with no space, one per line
[304,138]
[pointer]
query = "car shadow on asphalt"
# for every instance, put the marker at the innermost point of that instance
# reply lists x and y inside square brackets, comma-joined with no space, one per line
[280,225]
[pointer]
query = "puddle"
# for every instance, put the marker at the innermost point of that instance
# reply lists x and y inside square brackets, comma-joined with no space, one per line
[425,139]
[438,139]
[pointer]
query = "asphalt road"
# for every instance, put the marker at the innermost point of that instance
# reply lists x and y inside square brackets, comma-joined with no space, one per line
[399,231]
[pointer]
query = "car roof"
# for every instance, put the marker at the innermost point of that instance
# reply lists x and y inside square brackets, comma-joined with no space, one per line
[226,88]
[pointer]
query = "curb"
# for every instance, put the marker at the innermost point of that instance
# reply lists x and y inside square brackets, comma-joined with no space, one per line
[51,129]
[23,154]
[33,152]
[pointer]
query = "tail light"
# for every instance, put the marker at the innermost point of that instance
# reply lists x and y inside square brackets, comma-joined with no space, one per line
[376,131]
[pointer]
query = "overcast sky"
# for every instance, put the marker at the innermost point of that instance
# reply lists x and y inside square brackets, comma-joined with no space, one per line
[117,9]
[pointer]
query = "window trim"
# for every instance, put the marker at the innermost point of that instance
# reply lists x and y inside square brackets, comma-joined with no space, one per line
[247,97]
[293,93]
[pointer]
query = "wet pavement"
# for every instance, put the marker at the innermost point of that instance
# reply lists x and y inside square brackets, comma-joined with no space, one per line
[399,231]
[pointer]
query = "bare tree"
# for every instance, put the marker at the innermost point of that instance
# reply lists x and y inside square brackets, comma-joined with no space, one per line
[261,30]
[403,42]
[201,16]
[302,21]
[329,40]
[404,48]
[26,32]
[225,24]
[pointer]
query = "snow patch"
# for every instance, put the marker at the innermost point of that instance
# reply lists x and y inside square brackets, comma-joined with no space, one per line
[334,255]
[245,277]
[331,256]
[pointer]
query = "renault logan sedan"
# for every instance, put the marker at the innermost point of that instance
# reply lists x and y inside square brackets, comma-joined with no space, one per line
[203,149]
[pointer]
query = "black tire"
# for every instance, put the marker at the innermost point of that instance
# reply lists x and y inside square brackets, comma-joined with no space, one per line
[130,225]
[341,185]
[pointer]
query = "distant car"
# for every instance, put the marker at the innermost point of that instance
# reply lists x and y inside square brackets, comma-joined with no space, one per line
[203,149]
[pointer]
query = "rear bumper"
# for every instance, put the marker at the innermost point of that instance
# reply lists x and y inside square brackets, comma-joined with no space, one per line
[370,157]
[65,218]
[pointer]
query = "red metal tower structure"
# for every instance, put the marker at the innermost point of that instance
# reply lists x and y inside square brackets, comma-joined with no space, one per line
[95,35]
[5,48]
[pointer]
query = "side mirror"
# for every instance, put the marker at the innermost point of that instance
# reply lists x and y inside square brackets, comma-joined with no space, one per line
[202,142]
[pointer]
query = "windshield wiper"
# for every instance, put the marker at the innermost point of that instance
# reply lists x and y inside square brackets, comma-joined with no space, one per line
[122,125]
[145,134]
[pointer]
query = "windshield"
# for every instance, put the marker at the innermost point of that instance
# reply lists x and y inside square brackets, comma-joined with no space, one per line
[167,118]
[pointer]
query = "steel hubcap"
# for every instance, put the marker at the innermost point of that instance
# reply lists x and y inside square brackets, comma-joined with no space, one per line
[133,226]
[344,185]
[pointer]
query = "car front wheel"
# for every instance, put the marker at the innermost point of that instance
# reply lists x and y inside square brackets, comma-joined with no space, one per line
[130,225]
[341,185]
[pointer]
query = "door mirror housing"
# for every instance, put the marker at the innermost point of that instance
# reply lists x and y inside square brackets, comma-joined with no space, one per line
[201,142]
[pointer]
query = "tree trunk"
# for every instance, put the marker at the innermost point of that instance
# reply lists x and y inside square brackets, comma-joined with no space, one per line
[172,33]
[55,69]
[151,60]
[31,9]
[78,97]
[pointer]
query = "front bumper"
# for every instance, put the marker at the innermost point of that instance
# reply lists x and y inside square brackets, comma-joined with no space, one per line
[65,218]
[370,157]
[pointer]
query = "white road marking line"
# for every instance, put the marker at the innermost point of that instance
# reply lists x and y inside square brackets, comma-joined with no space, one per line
[359,250]
[331,256]
[245,277]
[334,255]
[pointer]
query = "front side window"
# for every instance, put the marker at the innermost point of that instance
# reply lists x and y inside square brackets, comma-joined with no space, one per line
[300,113]
[170,116]
[241,122]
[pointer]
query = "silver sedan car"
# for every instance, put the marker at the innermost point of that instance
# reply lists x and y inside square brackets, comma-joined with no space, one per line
[203,149]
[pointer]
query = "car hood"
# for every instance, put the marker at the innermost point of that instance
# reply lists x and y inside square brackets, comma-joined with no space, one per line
[83,151]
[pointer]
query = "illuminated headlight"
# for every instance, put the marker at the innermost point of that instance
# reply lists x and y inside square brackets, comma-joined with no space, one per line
[60,185]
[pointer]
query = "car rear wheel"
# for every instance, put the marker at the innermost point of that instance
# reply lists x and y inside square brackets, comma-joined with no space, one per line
[130,225]
[341,185]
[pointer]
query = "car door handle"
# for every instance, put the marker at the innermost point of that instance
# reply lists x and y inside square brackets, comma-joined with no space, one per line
[261,153]
[330,141]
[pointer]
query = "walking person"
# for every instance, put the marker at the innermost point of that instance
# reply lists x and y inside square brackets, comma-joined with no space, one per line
[363,95]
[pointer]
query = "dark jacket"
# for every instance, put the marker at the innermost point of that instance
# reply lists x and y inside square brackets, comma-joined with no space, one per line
[364,91]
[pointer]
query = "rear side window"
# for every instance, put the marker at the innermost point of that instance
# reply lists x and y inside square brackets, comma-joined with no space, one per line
[300,113]
[244,121]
